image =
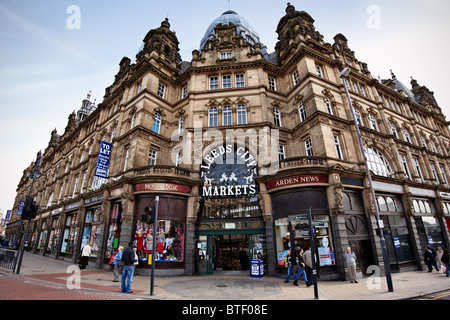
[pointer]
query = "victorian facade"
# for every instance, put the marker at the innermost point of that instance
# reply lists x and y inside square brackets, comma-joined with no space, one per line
[239,144]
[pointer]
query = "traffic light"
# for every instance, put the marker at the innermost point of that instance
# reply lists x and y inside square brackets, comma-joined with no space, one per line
[30,209]
[148,216]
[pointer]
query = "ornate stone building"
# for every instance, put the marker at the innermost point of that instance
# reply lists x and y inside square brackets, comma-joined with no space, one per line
[239,143]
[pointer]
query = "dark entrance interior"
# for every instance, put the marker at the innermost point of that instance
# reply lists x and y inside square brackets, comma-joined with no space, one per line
[231,252]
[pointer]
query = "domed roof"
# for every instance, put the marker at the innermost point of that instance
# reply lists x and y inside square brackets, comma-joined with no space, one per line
[243,28]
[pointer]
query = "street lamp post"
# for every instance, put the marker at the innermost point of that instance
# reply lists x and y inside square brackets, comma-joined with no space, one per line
[343,75]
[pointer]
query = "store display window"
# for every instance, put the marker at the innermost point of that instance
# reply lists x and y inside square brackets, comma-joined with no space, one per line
[298,230]
[42,236]
[92,231]
[54,236]
[169,240]
[112,242]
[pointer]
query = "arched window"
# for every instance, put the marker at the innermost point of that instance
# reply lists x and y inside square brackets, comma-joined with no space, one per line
[157,123]
[277,117]
[241,114]
[377,162]
[227,116]
[212,117]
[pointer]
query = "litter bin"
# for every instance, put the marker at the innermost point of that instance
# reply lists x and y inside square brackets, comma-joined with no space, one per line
[257,269]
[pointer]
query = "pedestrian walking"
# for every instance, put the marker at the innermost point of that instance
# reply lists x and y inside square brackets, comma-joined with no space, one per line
[429,259]
[117,263]
[434,257]
[292,262]
[300,268]
[446,261]
[350,259]
[128,259]
[84,257]
[307,258]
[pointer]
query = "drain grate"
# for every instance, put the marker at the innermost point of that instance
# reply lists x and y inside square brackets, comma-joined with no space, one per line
[221,286]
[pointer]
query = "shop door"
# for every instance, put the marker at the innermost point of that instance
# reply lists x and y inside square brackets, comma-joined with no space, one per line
[204,255]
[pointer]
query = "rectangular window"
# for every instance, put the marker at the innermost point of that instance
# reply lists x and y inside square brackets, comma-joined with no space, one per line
[337,143]
[240,80]
[225,55]
[363,91]
[272,84]
[184,92]
[444,176]
[226,81]
[433,170]
[213,83]
[83,183]
[178,159]
[308,147]
[328,105]
[75,186]
[125,161]
[139,87]
[419,171]
[152,157]
[319,71]
[302,111]
[295,77]
[161,90]
[281,152]
[405,166]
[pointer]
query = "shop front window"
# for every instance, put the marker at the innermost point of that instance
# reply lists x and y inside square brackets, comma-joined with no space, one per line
[169,240]
[397,239]
[291,231]
[112,242]
[42,236]
[92,231]
[54,236]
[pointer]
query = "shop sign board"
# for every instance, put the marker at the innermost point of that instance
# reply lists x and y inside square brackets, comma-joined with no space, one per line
[291,181]
[229,172]
[156,186]
[104,153]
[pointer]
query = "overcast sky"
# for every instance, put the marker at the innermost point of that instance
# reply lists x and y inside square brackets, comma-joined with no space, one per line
[53,52]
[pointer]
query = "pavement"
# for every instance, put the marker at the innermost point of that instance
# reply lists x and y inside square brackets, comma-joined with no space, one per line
[228,285]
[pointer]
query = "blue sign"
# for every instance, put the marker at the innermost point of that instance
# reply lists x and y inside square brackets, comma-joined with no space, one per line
[397,243]
[20,209]
[8,215]
[101,170]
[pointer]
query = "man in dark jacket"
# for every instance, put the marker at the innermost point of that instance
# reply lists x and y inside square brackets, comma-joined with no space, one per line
[128,259]
[292,263]
[429,259]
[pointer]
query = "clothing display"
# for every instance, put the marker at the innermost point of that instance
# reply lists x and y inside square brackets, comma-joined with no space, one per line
[169,240]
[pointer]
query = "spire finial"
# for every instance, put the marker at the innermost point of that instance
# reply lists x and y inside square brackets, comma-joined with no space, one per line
[393,75]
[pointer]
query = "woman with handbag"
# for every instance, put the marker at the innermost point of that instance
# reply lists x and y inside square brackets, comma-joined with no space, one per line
[117,263]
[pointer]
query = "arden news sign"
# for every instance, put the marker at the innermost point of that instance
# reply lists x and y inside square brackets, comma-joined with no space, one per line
[296,180]
[229,172]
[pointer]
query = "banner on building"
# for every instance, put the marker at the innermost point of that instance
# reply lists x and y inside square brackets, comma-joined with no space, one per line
[104,154]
